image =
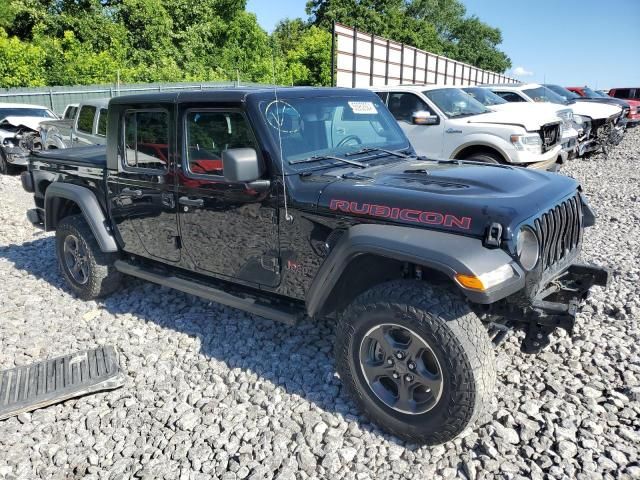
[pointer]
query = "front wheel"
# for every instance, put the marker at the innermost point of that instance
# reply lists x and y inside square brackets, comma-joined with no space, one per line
[485,158]
[416,360]
[88,270]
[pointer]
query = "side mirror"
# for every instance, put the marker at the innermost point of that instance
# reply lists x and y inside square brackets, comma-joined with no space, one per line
[241,165]
[423,117]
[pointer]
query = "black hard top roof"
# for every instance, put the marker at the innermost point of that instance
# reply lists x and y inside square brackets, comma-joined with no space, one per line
[237,94]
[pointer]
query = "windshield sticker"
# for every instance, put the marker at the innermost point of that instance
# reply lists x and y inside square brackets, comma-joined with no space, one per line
[363,108]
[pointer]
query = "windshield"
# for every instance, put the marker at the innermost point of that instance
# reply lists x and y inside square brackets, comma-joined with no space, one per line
[26,112]
[485,96]
[330,126]
[593,94]
[455,103]
[544,94]
[563,92]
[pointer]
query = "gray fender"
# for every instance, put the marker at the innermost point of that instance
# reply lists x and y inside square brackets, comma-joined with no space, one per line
[89,206]
[446,252]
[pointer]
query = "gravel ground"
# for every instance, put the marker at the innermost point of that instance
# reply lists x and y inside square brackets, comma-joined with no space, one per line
[201,403]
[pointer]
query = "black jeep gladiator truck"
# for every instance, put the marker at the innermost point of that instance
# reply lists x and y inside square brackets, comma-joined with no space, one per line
[303,201]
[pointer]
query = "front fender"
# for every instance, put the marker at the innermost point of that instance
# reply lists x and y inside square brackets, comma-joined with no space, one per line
[91,210]
[445,252]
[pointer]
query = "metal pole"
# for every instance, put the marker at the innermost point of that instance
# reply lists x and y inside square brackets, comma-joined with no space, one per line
[455,69]
[333,53]
[415,60]
[355,51]
[426,66]
[446,69]
[401,63]
[373,46]
[386,66]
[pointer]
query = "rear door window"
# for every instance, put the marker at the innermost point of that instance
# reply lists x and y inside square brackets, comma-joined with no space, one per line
[146,139]
[85,119]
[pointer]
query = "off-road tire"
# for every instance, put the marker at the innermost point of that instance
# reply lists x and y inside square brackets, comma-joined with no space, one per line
[454,333]
[103,278]
[485,158]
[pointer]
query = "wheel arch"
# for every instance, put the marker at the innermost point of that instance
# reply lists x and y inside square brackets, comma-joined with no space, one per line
[62,199]
[464,151]
[370,254]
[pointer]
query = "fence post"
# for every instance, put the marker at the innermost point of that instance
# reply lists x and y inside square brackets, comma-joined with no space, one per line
[401,63]
[386,65]
[51,99]
[333,53]
[355,57]
[372,60]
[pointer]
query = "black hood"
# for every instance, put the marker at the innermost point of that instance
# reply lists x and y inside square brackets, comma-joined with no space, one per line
[463,197]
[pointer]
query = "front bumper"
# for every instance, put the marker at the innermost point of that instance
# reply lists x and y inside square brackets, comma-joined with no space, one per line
[17,156]
[554,306]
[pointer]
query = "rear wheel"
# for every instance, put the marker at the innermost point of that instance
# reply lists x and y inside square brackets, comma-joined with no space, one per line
[87,269]
[416,360]
[485,157]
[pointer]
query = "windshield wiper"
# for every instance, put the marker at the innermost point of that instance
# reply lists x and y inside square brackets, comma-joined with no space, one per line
[373,149]
[319,158]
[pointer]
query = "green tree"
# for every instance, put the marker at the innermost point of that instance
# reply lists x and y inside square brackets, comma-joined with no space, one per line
[21,64]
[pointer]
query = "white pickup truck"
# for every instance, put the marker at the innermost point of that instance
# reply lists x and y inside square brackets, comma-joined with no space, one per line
[598,124]
[83,124]
[570,133]
[446,122]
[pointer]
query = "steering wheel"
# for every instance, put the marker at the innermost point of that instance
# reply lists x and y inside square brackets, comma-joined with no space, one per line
[348,139]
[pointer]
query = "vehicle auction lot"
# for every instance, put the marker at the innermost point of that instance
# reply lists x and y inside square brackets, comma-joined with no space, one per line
[214,392]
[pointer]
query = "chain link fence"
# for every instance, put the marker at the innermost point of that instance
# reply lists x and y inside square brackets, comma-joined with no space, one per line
[57,98]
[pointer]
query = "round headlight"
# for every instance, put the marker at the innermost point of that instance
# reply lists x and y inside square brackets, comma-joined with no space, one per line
[527,248]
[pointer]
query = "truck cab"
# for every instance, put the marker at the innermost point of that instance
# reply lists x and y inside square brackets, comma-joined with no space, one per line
[457,126]
[82,124]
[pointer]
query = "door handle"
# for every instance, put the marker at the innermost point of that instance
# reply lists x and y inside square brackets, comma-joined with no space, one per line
[132,192]
[192,202]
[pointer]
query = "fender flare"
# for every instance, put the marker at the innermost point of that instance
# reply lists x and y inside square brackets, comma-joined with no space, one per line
[446,252]
[89,206]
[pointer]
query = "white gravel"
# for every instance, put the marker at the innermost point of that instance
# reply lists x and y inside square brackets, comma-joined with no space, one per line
[212,392]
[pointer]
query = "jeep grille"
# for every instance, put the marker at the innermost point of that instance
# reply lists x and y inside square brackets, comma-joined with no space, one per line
[559,231]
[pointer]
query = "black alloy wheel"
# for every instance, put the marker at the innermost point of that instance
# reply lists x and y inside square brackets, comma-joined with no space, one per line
[401,369]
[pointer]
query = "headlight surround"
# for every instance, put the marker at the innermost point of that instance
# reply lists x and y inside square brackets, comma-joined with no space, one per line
[530,142]
[527,248]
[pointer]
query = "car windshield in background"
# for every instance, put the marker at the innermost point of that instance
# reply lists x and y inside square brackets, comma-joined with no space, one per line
[26,112]
[544,94]
[455,103]
[593,94]
[313,129]
[563,92]
[485,96]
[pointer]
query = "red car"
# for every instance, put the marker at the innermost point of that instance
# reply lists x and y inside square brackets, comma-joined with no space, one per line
[633,117]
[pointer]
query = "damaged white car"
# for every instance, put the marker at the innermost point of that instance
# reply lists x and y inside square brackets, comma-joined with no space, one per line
[19,125]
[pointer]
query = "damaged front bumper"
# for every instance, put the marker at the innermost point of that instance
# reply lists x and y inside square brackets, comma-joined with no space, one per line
[555,306]
[17,156]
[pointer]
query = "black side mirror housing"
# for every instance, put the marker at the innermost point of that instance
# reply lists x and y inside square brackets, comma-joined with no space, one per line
[241,165]
[423,117]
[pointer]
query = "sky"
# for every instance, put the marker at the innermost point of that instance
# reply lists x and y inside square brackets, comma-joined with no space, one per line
[569,42]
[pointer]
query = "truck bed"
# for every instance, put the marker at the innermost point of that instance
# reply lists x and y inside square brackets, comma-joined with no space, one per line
[91,156]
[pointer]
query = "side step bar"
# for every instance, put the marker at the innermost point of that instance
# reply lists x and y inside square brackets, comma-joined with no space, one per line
[209,293]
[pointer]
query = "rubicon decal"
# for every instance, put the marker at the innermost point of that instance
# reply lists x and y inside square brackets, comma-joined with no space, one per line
[405,214]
